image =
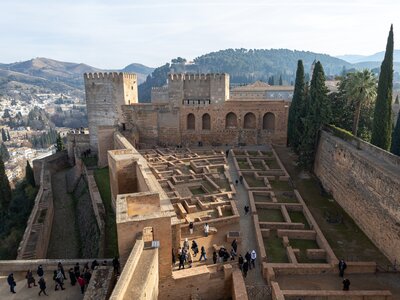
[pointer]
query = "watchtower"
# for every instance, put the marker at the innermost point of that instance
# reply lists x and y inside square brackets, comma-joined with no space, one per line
[105,93]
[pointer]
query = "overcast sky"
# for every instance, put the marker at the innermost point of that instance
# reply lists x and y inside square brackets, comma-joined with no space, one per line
[115,33]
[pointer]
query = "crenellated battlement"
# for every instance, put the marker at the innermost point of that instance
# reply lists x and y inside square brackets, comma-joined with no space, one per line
[109,76]
[197,76]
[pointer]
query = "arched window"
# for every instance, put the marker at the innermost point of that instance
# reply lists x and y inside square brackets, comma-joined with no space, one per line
[269,122]
[206,122]
[191,122]
[231,120]
[249,121]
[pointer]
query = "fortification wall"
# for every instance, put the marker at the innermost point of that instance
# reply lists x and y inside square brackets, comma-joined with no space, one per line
[365,181]
[77,140]
[105,93]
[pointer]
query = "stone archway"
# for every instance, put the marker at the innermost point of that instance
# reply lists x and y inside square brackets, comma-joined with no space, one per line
[249,121]
[269,122]
[206,122]
[231,120]
[191,122]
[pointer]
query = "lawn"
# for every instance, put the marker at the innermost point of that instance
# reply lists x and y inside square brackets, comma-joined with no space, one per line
[298,217]
[272,163]
[102,178]
[252,182]
[243,164]
[257,163]
[90,161]
[303,245]
[346,239]
[269,215]
[197,190]
[279,185]
[262,198]
[276,252]
[286,197]
[253,153]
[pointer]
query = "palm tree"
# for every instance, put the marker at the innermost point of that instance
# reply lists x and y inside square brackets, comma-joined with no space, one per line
[360,90]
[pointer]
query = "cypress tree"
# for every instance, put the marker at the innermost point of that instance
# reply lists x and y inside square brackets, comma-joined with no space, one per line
[280,80]
[8,135]
[296,108]
[397,100]
[317,113]
[59,143]
[3,135]
[5,189]
[395,148]
[4,152]
[382,126]
[29,176]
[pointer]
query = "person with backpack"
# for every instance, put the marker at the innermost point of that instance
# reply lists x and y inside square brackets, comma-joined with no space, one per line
[11,282]
[42,286]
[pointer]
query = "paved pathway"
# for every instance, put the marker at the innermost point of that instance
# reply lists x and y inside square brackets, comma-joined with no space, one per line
[254,277]
[63,239]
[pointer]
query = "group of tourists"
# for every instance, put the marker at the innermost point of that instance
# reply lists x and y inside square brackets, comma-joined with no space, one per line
[185,256]
[346,282]
[76,274]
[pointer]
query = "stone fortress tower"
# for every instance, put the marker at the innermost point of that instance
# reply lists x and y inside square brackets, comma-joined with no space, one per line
[105,94]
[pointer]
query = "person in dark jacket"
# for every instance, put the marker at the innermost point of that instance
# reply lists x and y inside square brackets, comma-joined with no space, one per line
[245,268]
[94,264]
[77,270]
[342,266]
[40,271]
[11,282]
[234,245]
[116,265]
[241,261]
[346,285]
[30,279]
[215,257]
[42,286]
[72,276]
[248,258]
[61,268]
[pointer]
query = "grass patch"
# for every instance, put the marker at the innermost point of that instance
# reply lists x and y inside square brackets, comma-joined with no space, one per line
[262,198]
[253,153]
[102,178]
[298,217]
[90,161]
[272,163]
[346,239]
[280,185]
[286,197]
[252,182]
[276,252]
[269,215]
[243,164]
[267,153]
[257,164]
[303,245]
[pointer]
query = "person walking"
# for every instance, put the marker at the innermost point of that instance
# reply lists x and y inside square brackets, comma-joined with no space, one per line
[234,245]
[81,283]
[59,280]
[30,279]
[233,254]
[173,257]
[42,286]
[116,265]
[203,253]
[77,270]
[241,179]
[87,276]
[342,266]
[346,285]
[206,229]
[215,257]
[247,256]
[40,271]
[11,282]
[72,276]
[191,226]
[61,268]
[195,248]
[253,258]
[245,268]
[186,244]
[94,264]
[241,261]
[189,259]
[182,258]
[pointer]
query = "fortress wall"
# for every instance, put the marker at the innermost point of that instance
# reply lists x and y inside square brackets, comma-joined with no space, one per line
[105,93]
[365,181]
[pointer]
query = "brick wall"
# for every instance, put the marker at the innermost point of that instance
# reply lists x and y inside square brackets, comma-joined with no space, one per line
[365,181]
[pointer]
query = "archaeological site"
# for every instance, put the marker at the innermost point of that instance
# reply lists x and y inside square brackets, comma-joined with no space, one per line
[198,197]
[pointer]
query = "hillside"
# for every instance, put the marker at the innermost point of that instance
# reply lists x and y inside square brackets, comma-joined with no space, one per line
[48,75]
[246,66]
[355,58]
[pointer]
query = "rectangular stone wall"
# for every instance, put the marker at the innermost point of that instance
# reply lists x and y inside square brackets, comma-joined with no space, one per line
[365,181]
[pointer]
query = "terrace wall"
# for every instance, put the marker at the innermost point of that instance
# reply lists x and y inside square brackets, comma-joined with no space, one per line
[365,181]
